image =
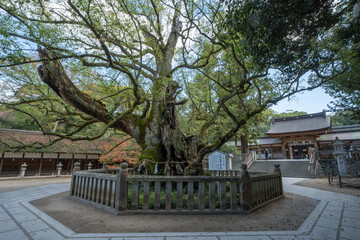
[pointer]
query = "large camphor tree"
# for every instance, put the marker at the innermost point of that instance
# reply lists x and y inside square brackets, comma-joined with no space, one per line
[180,77]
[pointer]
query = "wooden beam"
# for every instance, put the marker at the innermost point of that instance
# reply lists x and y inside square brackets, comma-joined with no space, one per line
[86,160]
[283,149]
[72,163]
[40,164]
[56,163]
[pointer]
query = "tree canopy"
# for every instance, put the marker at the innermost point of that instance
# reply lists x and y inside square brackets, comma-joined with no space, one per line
[180,77]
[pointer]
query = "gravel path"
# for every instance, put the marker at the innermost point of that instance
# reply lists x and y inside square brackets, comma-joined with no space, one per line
[24,183]
[337,217]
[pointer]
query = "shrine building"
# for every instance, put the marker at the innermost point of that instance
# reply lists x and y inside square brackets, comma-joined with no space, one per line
[43,161]
[292,137]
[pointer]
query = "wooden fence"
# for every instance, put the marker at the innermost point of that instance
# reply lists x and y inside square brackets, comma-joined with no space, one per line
[138,194]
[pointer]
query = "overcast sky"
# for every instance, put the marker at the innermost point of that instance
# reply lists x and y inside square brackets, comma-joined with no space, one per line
[310,102]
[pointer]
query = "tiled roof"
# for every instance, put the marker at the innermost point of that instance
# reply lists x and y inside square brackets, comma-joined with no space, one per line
[344,136]
[346,128]
[22,138]
[304,123]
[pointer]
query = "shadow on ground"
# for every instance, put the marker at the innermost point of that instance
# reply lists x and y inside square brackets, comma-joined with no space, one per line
[351,186]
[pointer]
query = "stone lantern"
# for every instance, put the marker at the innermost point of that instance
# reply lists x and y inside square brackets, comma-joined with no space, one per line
[59,167]
[339,154]
[23,169]
[89,166]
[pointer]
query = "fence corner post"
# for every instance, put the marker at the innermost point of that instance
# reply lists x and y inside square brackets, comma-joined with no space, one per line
[121,196]
[245,188]
[76,167]
[277,170]
[73,178]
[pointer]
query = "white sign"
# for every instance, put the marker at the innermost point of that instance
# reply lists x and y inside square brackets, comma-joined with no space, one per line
[217,161]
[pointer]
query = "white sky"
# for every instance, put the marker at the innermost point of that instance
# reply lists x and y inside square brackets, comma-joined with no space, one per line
[310,102]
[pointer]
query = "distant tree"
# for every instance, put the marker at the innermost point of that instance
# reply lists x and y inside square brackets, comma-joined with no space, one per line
[16,120]
[284,33]
[343,119]
[118,149]
[345,39]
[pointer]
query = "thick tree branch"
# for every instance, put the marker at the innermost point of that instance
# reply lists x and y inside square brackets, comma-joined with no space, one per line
[54,75]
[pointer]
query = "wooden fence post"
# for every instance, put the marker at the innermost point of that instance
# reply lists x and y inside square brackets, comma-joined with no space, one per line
[277,170]
[121,196]
[76,167]
[245,188]
[74,178]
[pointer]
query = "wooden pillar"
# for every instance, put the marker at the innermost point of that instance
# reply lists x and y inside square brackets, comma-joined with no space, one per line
[283,149]
[316,145]
[54,164]
[97,162]
[259,153]
[86,160]
[40,165]
[290,152]
[121,191]
[68,166]
[2,161]
[245,189]
[72,163]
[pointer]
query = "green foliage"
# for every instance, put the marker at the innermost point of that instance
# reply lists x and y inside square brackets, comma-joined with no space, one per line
[279,33]
[345,88]
[228,149]
[321,37]
[343,119]
[16,120]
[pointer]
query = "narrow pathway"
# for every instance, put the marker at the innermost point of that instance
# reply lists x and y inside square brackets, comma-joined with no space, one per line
[336,217]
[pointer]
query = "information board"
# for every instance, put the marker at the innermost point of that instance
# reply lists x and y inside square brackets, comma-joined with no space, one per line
[217,161]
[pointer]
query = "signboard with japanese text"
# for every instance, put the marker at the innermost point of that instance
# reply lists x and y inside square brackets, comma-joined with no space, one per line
[217,161]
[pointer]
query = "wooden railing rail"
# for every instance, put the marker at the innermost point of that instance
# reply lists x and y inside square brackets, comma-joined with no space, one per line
[129,194]
[229,173]
[233,173]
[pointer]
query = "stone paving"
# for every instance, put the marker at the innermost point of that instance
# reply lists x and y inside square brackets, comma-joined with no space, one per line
[337,216]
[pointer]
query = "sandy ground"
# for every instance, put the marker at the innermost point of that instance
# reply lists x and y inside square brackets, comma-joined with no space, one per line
[285,214]
[351,186]
[18,184]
